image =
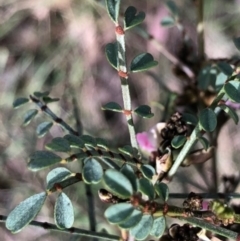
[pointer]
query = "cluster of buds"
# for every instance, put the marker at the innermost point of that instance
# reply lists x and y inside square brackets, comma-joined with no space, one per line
[193,202]
[175,126]
[183,233]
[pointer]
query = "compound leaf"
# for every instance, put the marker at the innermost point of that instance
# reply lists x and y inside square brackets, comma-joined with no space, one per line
[143,228]
[131,18]
[132,220]
[159,226]
[113,106]
[19,102]
[208,119]
[25,212]
[232,89]
[113,9]
[162,191]
[58,144]
[111,51]
[143,62]
[92,171]
[42,159]
[57,175]
[30,114]
[144,111]
[119,212]
[118,183]
[43,128]
[63,212]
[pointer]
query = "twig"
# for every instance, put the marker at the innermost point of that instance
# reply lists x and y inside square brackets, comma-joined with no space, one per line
[206,195]
[58,120]
[88,189]
[73,230]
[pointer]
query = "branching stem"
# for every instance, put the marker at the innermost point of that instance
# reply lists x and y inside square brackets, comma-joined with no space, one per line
[75,231]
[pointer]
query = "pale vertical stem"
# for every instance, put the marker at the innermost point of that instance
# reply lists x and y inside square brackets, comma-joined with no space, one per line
[192,139]
[200,29]
[182,155]
[122,68]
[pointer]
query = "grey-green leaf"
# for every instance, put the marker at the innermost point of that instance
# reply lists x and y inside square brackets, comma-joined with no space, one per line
[225,68]
[118,183]
[172,7]
[63,212]
[112,106]
[42,159]
[204,142]
[168,22]
[236,42]
[74,141]
[190,119]
[102,143]
[43,128]
[206,77]
[111,51]
[162,190]
[19,102]
[132,220]
[159,226]
[113,9]
[57,175]
[30,114]
[119,212]
[89,140]
[25,212]
[92,171]
[41,94]
[208,119]
[48,99]
[178,141]
[129,173]
[148,171]
[144,111]
[129,150]
[58,144]
[230,112]
[232,89]
[143,228]
[131,19]
[142,62]
[146,187]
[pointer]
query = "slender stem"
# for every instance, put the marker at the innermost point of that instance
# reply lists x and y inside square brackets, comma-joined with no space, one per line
[165,52]
[206,195]
[58,120]
[185,150]
[88,189]
[75,231]
[122,66]
[200,29]
[211,227]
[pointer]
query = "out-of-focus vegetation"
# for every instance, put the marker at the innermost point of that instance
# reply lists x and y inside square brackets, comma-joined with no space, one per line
[59,46]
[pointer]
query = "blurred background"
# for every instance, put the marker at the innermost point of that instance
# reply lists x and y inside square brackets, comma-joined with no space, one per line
[58,46]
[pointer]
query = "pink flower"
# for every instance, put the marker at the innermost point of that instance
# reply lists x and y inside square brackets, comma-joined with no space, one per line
[149,141]
[145,142]
[233,105]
